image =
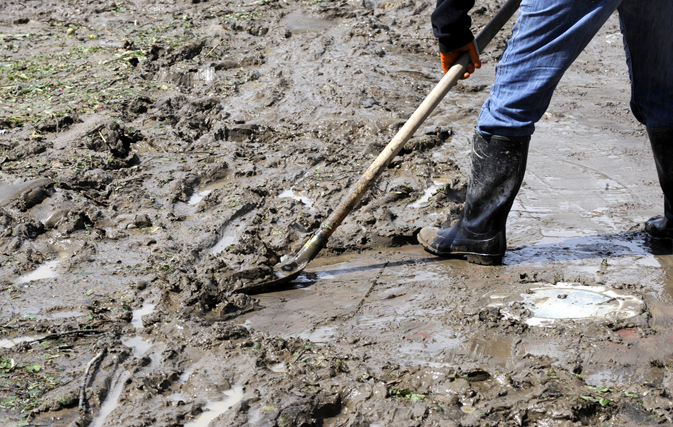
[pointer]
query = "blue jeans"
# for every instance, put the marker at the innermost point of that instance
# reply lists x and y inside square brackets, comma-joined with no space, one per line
[550,34]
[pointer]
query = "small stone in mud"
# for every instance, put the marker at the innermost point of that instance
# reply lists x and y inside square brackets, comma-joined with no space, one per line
[171,217]
[140,285]
[142,221]
[227,64]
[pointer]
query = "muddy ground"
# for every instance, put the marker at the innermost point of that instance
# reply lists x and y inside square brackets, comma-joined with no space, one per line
[159,157]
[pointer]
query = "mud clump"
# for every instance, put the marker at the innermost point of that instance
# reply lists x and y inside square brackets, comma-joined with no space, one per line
[113,138]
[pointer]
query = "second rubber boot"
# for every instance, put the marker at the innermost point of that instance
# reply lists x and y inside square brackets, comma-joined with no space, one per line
[498,167]
[661,227]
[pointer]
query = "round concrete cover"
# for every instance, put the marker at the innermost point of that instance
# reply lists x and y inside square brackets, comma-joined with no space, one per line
[574,301]
[548,303]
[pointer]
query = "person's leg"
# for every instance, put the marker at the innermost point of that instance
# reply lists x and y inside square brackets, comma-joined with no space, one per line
[548,36]
[648,42]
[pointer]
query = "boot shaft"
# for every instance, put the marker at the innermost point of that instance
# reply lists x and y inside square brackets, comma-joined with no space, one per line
[498,168]
[661,141]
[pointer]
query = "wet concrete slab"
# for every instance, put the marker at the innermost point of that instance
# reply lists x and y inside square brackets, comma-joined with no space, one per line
[426,310]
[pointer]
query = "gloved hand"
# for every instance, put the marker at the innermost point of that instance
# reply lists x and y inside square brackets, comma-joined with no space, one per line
[448,59]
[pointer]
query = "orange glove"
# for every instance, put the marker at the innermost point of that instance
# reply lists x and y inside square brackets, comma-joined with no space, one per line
[448,59]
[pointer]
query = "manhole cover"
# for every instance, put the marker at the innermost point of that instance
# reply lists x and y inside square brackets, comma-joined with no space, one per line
[548,303]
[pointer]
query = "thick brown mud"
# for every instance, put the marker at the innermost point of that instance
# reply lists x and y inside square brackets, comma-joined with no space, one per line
[158,157]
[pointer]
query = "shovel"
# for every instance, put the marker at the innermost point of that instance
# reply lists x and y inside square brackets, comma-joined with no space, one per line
[292,268]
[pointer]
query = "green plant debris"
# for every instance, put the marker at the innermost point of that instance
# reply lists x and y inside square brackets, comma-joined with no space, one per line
[7,364]
[33,368]
[406,394]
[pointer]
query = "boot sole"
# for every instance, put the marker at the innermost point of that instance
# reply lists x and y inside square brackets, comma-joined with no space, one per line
[484,259]
[474,258]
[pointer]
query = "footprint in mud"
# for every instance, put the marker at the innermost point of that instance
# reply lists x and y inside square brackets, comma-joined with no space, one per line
[140,345]
[430,191]
[112,400]
[51,210]
[222,244]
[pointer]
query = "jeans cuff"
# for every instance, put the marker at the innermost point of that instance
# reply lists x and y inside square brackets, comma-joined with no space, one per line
[503,138]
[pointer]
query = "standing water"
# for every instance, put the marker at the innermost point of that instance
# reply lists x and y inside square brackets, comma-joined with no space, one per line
[111,401]
[215,409]
[147,308]
[45,271]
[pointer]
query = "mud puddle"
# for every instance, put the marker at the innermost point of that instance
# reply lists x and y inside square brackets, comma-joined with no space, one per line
[291,193]
[229,237]
[296,196]
[112,400]
[136,320]
[213,410]
[13,342]
[225,242]
[204,191]
[139,344]
[437,184]
[45,271]
[186,374]
[64,314]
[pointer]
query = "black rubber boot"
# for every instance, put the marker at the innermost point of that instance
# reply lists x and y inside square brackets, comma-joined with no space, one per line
[498,166]
[661,227]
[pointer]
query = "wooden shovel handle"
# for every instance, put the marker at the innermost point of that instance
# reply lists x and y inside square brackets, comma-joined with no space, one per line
[292,268]
[420,115]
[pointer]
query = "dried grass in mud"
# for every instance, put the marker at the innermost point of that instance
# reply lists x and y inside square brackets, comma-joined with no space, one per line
[156,157]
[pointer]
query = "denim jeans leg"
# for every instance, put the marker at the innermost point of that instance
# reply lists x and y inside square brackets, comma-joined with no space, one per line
[547,37]
[648,41]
